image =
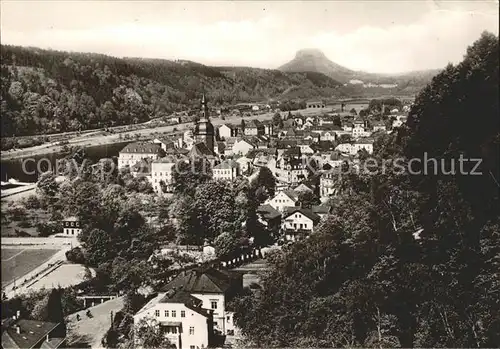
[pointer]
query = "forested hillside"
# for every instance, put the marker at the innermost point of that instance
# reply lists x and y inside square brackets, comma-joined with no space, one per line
[407,258]
[45,91]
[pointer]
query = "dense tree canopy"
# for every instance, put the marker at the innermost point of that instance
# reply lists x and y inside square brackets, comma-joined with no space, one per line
[45,91]
[404,260]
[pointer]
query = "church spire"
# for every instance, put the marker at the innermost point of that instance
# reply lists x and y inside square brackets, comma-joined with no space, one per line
[204,107]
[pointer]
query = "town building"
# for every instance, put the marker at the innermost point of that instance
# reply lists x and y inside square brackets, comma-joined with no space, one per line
[242,147]
[366,144]
[315,104]
[215,288]
[26,334]
[268,127]
[359,131]
[322,210]
[379,126]
[204,130]
[290,168]
[71,226]
[227,170]
[254,128]
[345,148]
[302,188]
[328,183]
[187,140]
[283,199]
[162,173]
[134,152]
[165,143]
[298,223]
[245,164]
[270,218]
[227,131]
[181,318]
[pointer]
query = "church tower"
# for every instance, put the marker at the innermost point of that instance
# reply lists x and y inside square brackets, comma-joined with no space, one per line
[204,130]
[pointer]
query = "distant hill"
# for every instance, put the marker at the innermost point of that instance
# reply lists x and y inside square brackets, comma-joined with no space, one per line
[314,60]
[45,91]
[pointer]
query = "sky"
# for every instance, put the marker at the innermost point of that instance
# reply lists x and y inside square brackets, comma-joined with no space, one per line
[373,36]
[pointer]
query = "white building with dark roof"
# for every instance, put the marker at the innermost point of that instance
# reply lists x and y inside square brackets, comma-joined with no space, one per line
[227,170]
[214,288]
[180,317]
[71,226]
[134,152]
[298,223]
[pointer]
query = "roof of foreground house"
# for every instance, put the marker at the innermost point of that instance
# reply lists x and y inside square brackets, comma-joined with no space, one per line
[305,211]
[268,212]
[31,333]
[201,280]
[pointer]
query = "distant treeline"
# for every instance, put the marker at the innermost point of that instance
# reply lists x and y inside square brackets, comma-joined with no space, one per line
[44,91]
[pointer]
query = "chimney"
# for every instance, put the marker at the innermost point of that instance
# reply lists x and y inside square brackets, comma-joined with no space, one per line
[18,329]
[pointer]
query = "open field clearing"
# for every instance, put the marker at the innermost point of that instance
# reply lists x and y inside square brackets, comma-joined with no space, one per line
[18,262]
[64,276]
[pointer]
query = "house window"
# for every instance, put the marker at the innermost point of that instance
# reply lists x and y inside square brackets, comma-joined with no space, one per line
[192,347]
[191,330]
[167,313]
[174,313]
[157,313]
[183,313]
[213,303]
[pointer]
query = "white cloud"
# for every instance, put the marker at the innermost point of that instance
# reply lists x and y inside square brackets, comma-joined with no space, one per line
[431,42]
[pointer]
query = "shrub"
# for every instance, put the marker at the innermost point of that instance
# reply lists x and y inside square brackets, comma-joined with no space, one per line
[17,213]
[32,202]
[75,255]
[45,229]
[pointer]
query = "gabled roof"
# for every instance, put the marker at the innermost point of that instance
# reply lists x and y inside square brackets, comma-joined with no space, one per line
[32,332]
[227,164]
[168,141]
[323,146]
[267,212]
[141,148]
[292,151]
[203,281]
[254,123]
[200,149]
[143,165]
[306,212]
[302,188]
[291,194]
[246,140]
[321,209]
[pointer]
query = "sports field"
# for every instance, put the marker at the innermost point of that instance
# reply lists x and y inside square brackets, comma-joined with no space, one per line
[18,262]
